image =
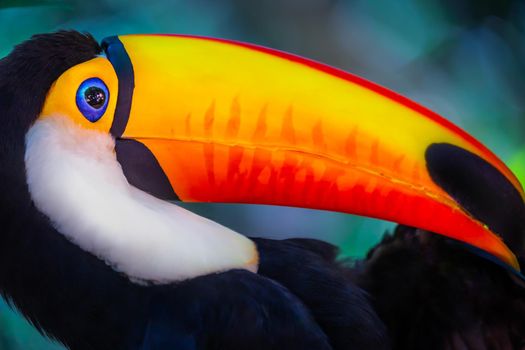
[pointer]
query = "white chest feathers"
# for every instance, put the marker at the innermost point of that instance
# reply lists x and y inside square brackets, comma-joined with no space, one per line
[75,180]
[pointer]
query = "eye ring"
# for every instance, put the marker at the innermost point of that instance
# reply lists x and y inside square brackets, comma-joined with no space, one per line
[92,99]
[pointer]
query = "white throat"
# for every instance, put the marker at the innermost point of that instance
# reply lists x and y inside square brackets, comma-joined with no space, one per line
[75,180]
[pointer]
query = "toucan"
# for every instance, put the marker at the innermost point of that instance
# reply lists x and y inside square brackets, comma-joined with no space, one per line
[98,140]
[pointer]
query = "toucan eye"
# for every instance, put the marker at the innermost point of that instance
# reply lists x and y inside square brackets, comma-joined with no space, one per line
[92,98]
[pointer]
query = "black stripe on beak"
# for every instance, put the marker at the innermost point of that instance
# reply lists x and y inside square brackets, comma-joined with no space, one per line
[119,58]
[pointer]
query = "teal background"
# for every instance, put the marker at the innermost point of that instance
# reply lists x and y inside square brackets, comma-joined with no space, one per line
[465,59]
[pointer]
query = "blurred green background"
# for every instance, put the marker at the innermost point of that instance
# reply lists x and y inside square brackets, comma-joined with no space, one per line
[465,59]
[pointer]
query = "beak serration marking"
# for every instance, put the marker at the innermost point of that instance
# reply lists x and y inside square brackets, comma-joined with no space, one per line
[260,129]
[208,148]
[288,131]
[318,136]
[187,123]
[234,122]
[209,118]
[351,143]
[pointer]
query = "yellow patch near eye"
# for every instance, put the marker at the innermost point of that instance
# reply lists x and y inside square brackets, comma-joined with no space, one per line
[61,98]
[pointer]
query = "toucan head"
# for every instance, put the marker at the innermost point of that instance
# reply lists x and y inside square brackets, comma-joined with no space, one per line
[118,129]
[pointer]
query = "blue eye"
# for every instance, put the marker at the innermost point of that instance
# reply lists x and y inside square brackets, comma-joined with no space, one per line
[92,98]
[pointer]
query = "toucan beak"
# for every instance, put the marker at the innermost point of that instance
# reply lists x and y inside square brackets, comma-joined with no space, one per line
[232,122]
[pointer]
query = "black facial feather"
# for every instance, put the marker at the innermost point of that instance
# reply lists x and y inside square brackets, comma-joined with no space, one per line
[26,75]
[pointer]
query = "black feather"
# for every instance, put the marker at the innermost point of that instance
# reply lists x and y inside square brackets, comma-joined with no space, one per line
[432,294]
[235,310]
[308,269]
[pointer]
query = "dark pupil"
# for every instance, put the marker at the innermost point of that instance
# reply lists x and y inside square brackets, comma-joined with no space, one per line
[95,97]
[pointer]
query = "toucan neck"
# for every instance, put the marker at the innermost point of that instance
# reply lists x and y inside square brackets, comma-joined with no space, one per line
[75,179]
[53,282]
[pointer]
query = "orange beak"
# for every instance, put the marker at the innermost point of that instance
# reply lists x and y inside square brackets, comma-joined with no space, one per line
[231,122]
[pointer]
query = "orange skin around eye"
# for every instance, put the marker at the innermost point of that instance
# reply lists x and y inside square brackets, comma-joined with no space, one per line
[61,98]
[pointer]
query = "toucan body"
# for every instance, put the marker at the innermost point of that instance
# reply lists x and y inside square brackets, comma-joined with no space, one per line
[95,139]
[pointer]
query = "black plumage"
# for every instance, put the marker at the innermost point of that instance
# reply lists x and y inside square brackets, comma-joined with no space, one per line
[432,294]
[310,269]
